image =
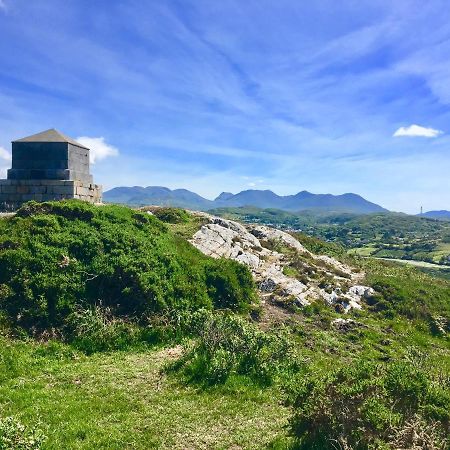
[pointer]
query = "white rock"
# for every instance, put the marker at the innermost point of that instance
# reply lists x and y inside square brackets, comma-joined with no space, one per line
[267,233]
[226,238]
[361,291]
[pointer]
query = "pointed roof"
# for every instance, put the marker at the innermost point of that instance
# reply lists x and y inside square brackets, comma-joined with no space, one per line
[51,135]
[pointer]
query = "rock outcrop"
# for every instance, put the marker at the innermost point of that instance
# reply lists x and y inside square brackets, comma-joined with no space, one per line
[286,273]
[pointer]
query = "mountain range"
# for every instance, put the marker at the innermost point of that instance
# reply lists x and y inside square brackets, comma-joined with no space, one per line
[304,200]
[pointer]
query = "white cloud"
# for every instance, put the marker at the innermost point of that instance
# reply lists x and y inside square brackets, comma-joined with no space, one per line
[99,148]
[2,5]
[417,130]
[5,155]
[5,162]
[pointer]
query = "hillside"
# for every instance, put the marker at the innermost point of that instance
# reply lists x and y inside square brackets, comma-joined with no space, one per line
[441,215]
[385,235]
[77,255]
[159,196]
[166,329]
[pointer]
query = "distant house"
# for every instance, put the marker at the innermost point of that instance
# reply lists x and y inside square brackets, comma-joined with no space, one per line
[48,166]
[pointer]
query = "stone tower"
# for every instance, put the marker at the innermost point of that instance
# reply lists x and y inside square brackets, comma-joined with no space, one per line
[48,166]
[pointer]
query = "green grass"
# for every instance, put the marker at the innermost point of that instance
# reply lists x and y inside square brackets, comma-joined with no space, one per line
[407,292]
[124,400]
[121,399]
[362,251]
[442,252]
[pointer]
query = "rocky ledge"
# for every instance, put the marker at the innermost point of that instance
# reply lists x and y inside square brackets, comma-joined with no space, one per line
[286,273]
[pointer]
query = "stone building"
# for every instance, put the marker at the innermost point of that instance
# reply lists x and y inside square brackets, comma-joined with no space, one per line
[48,166]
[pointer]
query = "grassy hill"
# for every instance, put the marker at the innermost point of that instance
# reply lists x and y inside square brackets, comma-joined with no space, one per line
[115,332]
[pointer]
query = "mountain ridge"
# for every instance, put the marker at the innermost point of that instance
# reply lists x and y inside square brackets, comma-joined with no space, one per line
[440,214]
[162,196]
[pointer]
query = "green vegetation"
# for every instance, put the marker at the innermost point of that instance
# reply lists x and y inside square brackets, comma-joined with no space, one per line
[229,345]
[368,405]
[168,214]
[116,333]
[14,435]
[180,222]
[59,257]
[407,292]
[120,400]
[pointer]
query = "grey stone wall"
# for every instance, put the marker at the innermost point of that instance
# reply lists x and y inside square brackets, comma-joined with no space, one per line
[78,163]
[13,193]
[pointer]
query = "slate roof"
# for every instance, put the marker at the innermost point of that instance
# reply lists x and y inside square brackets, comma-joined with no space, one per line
[51,135]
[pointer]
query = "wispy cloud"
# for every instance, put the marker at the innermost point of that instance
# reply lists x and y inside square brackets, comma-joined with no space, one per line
[2,5]
[99,148]
[417,131]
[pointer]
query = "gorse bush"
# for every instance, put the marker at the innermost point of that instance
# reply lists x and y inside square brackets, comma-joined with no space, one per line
[368,406]
[230,285]
[58,257]
[230,345]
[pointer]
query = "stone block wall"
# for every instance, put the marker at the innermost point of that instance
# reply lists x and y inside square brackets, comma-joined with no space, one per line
[49,161]
[13,193]
[78,163]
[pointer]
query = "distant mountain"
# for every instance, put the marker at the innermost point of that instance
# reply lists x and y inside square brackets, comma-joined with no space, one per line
[301,201]
[251,197]
[441,215]
[224,196]
[157,195]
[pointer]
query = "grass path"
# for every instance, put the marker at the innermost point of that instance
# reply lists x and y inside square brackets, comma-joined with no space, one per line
[122,400]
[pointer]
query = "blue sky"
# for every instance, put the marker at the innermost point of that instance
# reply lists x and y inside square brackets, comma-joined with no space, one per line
[231,95]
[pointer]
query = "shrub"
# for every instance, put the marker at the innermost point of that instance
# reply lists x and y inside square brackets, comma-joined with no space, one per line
[96,329]
[15,436]
[365,405]
[170,215]
[230,284]
[65,256]
[230,345]
[319,246]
